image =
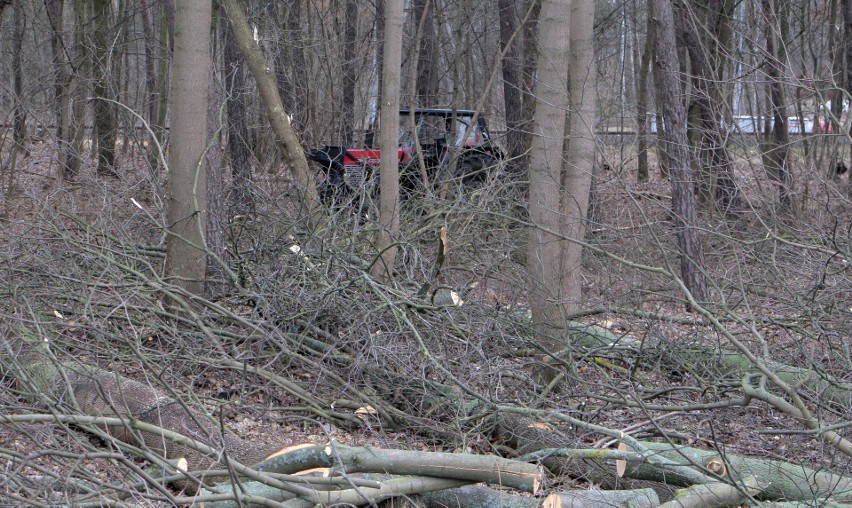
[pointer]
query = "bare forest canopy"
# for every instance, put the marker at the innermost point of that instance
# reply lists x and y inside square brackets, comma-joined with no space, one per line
[427,253]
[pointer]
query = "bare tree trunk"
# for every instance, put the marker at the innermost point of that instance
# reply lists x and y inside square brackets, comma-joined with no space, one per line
[290,61]
[545,250]
[427,79]
[217,280]
[776,147]
[581,148]
[61,86]
[167,46]
[642,103]
[105,121]
[530,55]
[668,81]
[512,86]
[150,61]
[707,99]
[186,254]
[238,134]
[20,114]
[847,30]
[389,141]
[350,70]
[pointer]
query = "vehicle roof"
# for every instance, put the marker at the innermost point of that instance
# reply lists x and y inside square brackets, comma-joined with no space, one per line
[438,111]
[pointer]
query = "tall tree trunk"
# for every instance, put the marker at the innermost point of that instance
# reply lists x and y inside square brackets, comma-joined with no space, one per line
[150,61]
[847,31]
[642,103]
[776,147]
[61,86]
[217,282]
[167,46]
[512,85]
[530,55]
[20,114]
[350,73]
[238,134]
[427,75]
[581,148]
[545,250]
[389,141]
[290,61]
[105,121]
[186,254]
[668,80]
[707,100]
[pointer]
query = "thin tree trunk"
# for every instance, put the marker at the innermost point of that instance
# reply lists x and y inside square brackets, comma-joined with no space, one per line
[668,79]
[217,281]
[238,134]
[350,70]
[427,79]
[777,145]
[167,46]
[580,156]
[20,113]
[150,61]
[707,101]
[528,98]
[389,142]
[105,121]
[847,30]
[512,86]
[61,85]
[642,103]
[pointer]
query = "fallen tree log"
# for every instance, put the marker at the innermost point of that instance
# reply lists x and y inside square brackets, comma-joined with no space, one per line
[641,498]
[355,496]
[714,495]
[477,496]
[97,392]
[781,480]
[367,459]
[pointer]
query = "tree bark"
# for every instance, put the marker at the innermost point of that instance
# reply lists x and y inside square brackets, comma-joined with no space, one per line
[847,30]
[580,149]
[294,156]
[427,74]
[350,73]
[237,117]
[668,81]
[105,120]
[389,141]
[707,98]
[777,143]
[186,253]
[642,103]
[545,249]
[512,86]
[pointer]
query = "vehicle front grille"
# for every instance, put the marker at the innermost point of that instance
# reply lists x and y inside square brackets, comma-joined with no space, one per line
[353,175]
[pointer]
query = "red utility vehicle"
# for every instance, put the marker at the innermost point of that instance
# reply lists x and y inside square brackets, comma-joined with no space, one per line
[352,172]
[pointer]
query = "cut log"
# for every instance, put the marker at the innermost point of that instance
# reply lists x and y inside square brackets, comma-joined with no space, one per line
[782,480]
[366,459]
[640,498]
[98,392]
[714,495]
[477,496]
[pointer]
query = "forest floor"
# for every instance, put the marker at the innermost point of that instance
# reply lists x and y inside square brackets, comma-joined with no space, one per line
[785,298]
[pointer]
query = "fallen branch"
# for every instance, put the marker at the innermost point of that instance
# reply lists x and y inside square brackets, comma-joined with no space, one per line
[366,459]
